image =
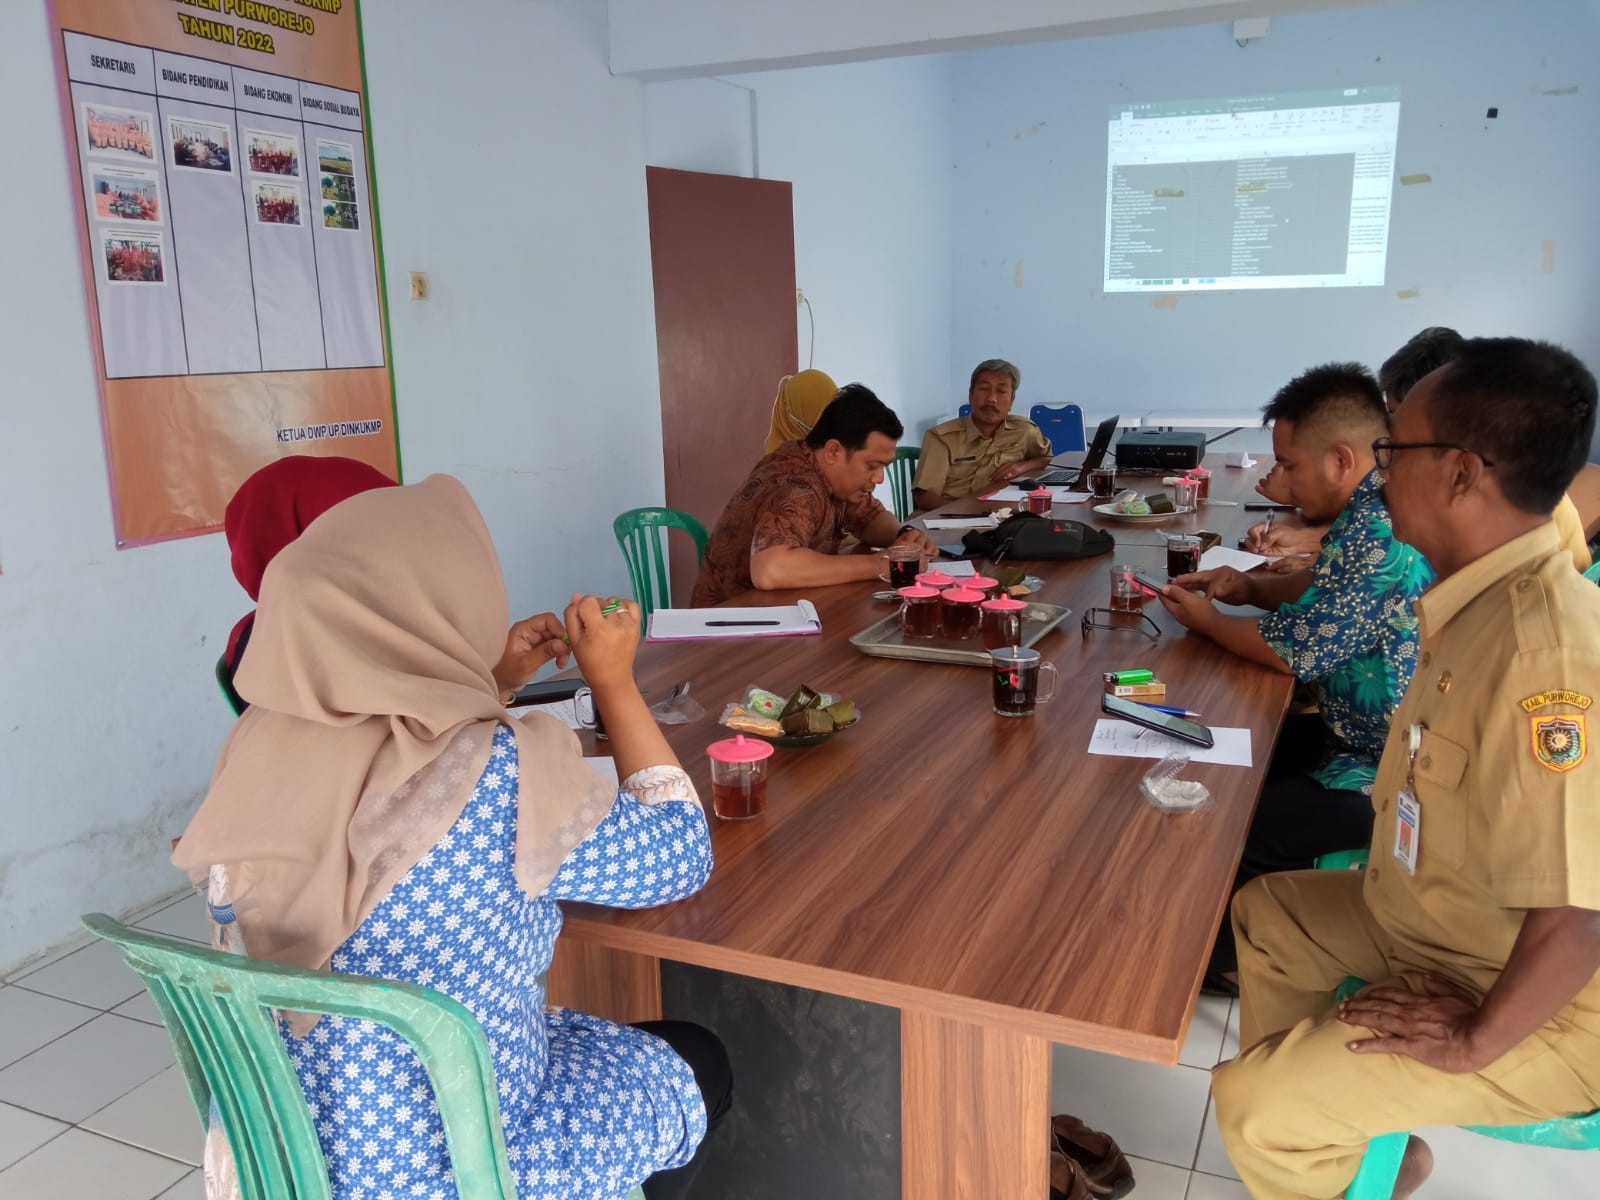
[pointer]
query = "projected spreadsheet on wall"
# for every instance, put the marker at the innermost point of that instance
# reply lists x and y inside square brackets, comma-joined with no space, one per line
[1281,191]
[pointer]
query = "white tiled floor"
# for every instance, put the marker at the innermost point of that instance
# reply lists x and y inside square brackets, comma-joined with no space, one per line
[92,1107]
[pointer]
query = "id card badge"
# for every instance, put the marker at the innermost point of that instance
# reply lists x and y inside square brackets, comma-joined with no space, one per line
[1407,829]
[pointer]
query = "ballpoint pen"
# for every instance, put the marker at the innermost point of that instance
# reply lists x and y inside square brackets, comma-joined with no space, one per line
[1170,711]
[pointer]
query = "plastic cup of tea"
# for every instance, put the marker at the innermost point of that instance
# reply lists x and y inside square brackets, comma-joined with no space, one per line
[1001,622]
[935,579]
[1126,594]
[1040,501]
[1202,476]
[905,562]
[959,613]
[1186,494]
[739,777]
[1183,555]
[919,612]
[1018,672]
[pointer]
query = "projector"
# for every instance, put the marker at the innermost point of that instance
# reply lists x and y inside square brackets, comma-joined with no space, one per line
[1160,449]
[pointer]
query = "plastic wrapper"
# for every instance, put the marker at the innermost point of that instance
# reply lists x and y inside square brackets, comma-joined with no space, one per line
[1163,788]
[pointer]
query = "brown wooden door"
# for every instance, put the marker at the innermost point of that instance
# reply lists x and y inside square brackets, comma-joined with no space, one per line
[722,255]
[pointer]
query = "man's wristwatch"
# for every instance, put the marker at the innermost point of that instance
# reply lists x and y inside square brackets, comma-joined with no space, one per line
[903,530]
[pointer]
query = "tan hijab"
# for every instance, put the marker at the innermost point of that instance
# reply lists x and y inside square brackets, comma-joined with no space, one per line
[372,712]
[800,401]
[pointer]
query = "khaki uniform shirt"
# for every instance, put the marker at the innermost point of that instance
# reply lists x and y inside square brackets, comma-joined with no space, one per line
[1570,525]
[957,460]
[1507,670]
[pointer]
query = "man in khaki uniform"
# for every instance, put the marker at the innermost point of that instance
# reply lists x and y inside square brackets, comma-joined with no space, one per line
[986,450]
[1479,914]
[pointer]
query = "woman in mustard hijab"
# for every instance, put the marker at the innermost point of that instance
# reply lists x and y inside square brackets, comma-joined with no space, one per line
[801,399]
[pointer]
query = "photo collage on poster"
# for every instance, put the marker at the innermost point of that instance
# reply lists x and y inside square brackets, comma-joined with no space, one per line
[125,182]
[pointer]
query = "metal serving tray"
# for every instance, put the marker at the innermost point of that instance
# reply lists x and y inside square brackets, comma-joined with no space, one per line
[884,638]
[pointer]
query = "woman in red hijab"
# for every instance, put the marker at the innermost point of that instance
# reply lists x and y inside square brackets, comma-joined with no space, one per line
[275,505]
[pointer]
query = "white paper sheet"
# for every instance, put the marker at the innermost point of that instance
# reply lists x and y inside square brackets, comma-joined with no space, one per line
[1123,739]
[961,569]
[960,522]
[1058,495]
[691,624]
[565,711]
[1226,556]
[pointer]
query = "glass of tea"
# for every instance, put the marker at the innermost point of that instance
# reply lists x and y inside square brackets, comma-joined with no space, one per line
[1183,555]
[1001,622]
[1039,501]
[959,613]
[739,777]
[919,612]
[937,580]
[982,583]
[1103,483]
[905,562]
[1017,671]
[1126,595]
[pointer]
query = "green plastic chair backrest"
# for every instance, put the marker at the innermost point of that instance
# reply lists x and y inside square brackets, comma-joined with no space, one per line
[901,472]
[641,532]
[1342,860]
[1380,1165]
[1593,573]
[225,682]
[216,1010]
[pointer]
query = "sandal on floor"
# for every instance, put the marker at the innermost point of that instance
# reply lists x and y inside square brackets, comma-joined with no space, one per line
[1067,1180]
[1104,1165]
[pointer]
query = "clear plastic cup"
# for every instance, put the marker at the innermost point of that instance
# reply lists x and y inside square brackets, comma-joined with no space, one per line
[739,777]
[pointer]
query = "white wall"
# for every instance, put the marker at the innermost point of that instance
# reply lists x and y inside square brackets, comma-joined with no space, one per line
[530,373]
[1030,136]
[867,147]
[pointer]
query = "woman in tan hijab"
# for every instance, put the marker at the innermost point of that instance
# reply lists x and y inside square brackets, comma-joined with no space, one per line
[801,399]
[376,811]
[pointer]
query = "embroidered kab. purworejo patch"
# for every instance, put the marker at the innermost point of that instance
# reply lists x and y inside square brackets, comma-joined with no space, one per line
[1556,696]
[1559,742]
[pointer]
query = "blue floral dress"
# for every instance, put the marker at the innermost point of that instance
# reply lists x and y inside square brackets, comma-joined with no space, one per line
[590,1108]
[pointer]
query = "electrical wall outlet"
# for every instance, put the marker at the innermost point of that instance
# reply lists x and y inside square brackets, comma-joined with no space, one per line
[419,286]
[799,297]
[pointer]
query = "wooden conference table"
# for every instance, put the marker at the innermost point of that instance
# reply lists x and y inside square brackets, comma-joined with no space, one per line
[986,876]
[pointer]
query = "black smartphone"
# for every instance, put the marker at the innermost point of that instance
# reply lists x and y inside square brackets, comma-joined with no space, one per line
[547,691]
[1145,581]
[1141,714]
[953,550]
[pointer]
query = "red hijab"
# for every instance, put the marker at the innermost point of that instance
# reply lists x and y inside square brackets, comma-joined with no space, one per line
[273,507]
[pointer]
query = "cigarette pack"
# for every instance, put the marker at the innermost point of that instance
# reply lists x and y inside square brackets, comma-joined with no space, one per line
[1154,690]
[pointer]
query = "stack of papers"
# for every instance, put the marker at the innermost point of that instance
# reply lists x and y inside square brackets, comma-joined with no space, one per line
[694,624]
[1058,495]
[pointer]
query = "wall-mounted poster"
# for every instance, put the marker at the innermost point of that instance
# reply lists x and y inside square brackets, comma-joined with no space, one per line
[230,238]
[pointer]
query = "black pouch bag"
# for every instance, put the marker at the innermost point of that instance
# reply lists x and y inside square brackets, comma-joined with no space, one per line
[1027,537]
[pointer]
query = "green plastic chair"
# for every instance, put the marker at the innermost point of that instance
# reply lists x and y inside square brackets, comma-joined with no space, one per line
[901,472]
[1380,1165]
[1593,573]
[225,682]
[216,1010]
[1342,860]
[641,532]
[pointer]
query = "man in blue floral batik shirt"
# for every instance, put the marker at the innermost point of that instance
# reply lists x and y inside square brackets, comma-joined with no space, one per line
[1345,627]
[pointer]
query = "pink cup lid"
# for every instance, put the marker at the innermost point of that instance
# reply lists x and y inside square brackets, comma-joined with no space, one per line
[980,583]
[1041,490]
[920,592]
[963,595]
[1005,604]
[739,749]
[1200,472]
[935,579]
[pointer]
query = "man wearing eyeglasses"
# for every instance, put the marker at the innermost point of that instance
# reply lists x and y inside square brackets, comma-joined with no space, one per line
[1478,916]
[1344,626]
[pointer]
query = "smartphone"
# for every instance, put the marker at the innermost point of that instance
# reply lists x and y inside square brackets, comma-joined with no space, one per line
[547,691]
[1141,714]
[1147,583]
[953,550]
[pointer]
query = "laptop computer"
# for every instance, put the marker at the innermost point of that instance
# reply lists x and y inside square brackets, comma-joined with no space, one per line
[1092,458]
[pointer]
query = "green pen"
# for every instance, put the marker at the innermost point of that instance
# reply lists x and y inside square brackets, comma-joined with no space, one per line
[1123,678]
[614,607]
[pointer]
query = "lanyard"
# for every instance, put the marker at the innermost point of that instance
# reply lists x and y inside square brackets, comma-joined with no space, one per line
[1414,734]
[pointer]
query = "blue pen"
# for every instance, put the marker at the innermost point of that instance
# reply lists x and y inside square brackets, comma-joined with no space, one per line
[1171,712]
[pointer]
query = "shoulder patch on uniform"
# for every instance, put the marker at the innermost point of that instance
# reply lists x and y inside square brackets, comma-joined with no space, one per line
[1560,742]
[1556,696]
